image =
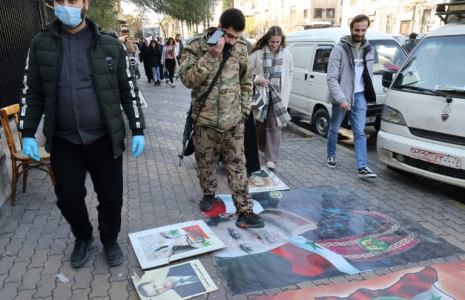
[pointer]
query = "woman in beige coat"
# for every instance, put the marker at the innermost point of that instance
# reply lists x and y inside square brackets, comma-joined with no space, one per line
[272,68]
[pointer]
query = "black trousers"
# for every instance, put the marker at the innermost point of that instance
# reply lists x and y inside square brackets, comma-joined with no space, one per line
[148,71]
[170,65]
[70,164]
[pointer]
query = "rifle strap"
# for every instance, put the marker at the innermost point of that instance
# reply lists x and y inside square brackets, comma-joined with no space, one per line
[204,96]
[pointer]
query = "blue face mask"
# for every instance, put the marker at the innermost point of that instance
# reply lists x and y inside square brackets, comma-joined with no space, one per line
[69,16]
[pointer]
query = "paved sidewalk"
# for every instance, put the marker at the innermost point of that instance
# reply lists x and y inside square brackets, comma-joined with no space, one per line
[35,240]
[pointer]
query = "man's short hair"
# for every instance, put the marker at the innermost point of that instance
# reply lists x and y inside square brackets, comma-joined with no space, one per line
[413,36]
[233,18]
[141,290]
[358,19]
[177,34]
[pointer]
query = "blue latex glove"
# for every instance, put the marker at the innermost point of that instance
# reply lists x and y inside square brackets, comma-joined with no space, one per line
[30,148]
[138,141]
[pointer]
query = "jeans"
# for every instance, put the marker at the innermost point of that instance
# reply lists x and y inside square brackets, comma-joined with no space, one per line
[170,66]
[357,117]
[70,164]
[156,73]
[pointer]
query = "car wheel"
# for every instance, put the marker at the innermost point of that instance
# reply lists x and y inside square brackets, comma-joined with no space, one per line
[321,122]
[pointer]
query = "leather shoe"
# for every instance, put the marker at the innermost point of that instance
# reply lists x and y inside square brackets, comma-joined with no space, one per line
[81,252]
[114,254]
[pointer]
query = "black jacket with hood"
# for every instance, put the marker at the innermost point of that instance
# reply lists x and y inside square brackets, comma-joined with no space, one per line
[114,81]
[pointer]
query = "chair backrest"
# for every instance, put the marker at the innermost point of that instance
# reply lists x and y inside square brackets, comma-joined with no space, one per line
[5,114]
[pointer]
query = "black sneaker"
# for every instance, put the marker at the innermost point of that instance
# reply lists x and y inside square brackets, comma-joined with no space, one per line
[81,252]
[331,162]
[365,172]
[249,220]
[114,254]
[206,202]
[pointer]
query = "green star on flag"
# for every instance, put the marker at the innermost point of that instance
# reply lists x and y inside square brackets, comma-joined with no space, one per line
[435,298]
[174,232]
[313,245]
[206,244]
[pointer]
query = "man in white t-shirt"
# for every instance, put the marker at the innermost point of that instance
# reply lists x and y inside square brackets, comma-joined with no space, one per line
[350,73]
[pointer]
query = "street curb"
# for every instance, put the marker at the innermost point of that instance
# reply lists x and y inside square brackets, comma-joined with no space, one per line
[299,130]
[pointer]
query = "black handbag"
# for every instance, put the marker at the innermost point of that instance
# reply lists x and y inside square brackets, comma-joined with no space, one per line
[189,132]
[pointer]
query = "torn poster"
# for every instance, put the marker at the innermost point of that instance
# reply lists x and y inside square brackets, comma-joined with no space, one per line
[160,246]
[265,181]
[182,281]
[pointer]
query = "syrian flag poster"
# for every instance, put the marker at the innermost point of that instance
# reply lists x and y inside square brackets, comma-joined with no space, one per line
[436,282]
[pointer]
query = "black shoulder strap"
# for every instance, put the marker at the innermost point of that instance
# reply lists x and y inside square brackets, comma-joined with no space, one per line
[204,96]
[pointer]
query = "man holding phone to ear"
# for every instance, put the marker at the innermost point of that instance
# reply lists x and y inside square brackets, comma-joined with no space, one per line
[219,129]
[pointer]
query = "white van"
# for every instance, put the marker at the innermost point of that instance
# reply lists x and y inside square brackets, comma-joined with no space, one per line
[310,53]
[423,121]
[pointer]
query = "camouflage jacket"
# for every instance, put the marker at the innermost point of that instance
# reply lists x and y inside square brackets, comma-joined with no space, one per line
[230,98]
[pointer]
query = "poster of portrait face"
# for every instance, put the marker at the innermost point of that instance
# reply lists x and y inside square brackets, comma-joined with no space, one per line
[160,246]
[437,282]
[182,281]
[316,233]
[265,181]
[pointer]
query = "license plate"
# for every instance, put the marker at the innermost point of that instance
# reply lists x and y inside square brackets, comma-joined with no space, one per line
[369,120]
[436,158]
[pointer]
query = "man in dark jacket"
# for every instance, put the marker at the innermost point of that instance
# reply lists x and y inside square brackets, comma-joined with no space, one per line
[144,57]
[79,75]
[412,42]
[350,87]
[179,46]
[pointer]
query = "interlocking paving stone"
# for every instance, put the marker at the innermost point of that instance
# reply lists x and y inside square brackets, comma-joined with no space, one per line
[45,286]
[100,285]
[17,272]
[158,192]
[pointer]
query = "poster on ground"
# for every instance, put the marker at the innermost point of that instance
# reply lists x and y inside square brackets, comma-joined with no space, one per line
[437,282]
[316,233]
[182,281]
[265,181]
[160,246]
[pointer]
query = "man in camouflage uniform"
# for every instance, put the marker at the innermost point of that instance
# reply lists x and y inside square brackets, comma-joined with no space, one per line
[219,129]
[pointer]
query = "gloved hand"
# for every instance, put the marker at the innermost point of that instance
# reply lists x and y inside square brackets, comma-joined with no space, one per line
[138,141]
[30,148]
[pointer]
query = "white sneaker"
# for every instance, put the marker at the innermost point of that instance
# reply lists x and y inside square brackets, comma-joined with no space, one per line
[173,85]
[270,165]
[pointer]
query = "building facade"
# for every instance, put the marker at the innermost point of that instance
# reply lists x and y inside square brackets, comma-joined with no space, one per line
[395,16]
[291,15]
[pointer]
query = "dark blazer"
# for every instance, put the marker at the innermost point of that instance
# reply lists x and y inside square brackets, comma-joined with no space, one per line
[187,289]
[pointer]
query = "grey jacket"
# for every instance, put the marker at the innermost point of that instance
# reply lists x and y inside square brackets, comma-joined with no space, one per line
[341,72]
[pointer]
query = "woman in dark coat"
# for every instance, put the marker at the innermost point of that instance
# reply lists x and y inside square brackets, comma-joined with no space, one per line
[154,57]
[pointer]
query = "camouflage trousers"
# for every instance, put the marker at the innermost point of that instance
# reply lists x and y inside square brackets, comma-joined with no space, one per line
[209,145]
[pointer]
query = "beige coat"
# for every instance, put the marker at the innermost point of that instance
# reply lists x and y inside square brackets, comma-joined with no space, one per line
[286,76]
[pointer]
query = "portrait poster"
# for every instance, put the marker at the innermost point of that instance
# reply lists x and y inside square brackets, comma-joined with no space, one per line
[436,282]
[265,181]
[160,246]
[182,281]
[316,233]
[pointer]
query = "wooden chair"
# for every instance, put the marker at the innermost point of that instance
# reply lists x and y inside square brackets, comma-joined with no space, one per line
[17,156]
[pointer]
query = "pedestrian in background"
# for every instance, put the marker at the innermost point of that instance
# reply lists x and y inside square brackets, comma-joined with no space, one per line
[129,46]
[411,43]
[273,70]
[163,74]
[154,57]
[350,87]
[169,60]
[219,126]
[79,77]
[146,60]
[179,47]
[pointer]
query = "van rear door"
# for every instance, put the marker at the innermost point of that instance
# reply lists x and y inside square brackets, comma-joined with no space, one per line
[318,86]
[302,55]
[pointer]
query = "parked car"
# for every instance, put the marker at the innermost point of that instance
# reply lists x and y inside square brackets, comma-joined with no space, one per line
[310,52]
[422,127]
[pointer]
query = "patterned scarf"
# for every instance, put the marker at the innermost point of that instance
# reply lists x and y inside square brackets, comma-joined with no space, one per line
[272,69]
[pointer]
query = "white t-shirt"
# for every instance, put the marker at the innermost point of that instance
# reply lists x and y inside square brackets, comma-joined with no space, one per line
[359,67]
